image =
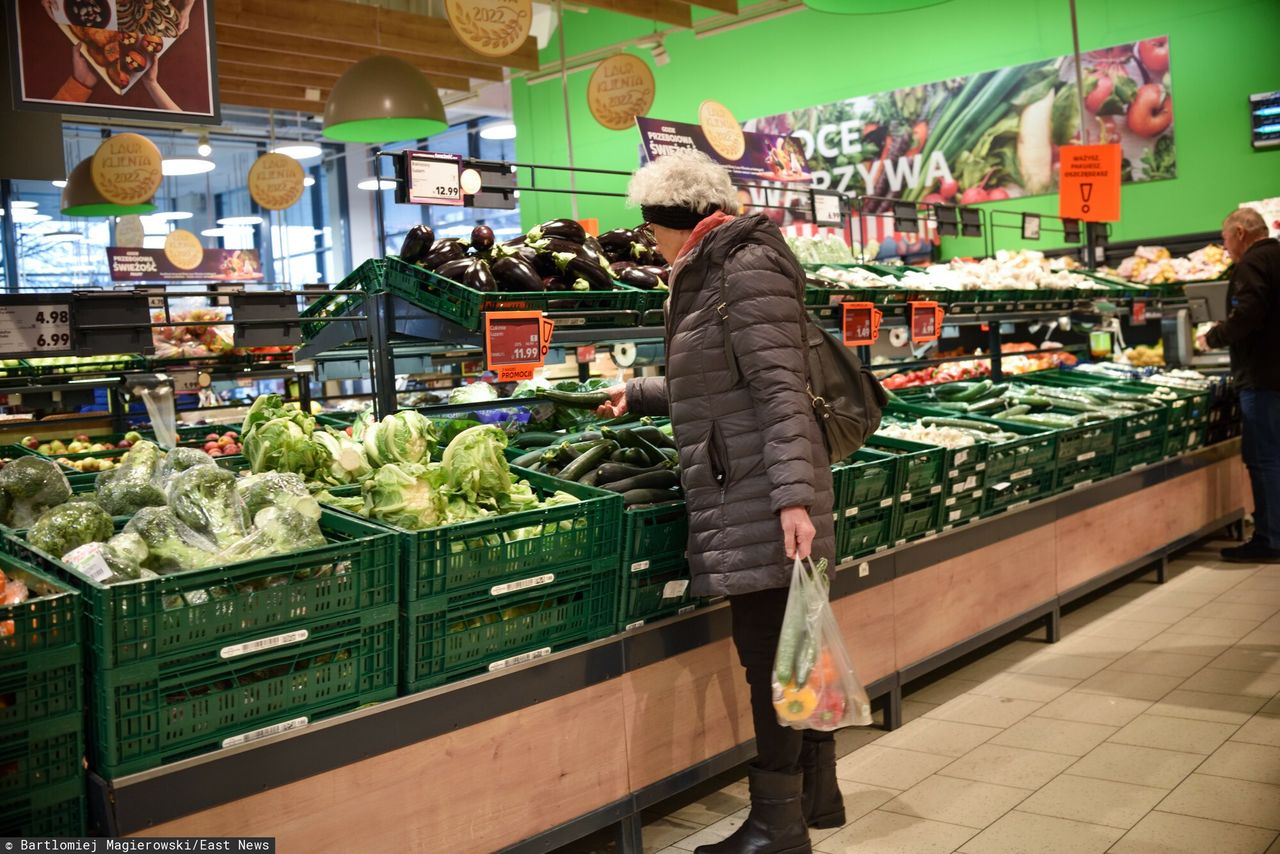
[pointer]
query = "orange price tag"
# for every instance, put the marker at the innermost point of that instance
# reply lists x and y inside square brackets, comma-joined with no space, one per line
[926,320]
[860,322]
[515,343]
[1139,313]
[1089,186]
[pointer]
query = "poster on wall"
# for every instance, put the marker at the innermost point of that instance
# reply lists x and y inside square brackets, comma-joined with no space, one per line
[990,136]
[129,58]
[1270,211]
[166,265]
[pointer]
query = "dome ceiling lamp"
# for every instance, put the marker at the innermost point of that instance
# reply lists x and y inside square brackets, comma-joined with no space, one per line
[80,197]
[383,99]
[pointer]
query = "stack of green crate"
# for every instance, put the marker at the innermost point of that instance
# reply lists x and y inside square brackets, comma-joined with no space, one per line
[963,469]
[1140,436]
[917,511]
[188,663]
[866,488]
[41,708]
[654,571]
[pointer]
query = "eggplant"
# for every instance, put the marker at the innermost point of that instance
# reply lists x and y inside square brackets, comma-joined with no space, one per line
[482,238]
[554,283]
[592,247]
[479,276]
[444,251]
[663,273]
[618,266]
[526,254]
[617,243]
[640,277]
[455,269]
[567,229]
[417,243]
[578,267]
[513,274]
[560,244]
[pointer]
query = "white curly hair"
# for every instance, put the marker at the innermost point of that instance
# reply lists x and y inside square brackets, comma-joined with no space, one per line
[687,179]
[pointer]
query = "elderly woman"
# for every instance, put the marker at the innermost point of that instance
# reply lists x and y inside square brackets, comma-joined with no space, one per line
[753,463]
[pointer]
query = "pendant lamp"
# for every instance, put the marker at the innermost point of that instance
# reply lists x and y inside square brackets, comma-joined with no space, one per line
[81,198]
[383,99]
[869,7]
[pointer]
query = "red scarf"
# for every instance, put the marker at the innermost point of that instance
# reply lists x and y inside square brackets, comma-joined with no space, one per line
[702,229]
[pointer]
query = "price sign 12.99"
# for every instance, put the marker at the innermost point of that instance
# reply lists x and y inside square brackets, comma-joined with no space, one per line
[860,322]
[515,343]
[926,320]
[434,179]
[35,329]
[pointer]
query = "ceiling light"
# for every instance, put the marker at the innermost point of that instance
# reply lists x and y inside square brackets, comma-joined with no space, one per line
[499,130]
[25,217]
[660,55]
[59,184]
[204,149]
[217,232]
[24,204]
[383,99]
[172,166]
[165,216]
[377,184]
[299,150]
[309,181]
[81,198]
[240,220]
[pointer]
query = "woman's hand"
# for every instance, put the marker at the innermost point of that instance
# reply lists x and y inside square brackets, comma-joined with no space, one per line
[797,531]
[616,405]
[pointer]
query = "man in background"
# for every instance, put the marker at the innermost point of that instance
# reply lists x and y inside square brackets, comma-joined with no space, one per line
[1252,331]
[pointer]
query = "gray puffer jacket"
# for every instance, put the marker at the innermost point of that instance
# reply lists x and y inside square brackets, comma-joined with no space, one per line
[749,444]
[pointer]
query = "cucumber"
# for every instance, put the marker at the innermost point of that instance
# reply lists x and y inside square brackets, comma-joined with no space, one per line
[1013,410]
[575,399]
[960,424]
[989,405]
[663,478]
[974,393]
[789,640]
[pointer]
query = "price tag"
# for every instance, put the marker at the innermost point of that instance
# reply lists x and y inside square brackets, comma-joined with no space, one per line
[515,343]
[35,328]
[1030,226]
[1139,313]
[926,320]
[434,179]
[826,210]
[860,322]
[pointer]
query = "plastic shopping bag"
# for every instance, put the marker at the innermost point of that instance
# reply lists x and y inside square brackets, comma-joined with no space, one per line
[814,686]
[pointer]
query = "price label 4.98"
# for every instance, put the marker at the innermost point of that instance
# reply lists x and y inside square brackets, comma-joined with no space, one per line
[35,329]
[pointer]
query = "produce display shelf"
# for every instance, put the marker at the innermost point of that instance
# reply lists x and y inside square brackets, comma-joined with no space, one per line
[653,534]
[39,685]
[468,558]
[147,619]
[864,532]
[153,712]
[41,753]
[656,590]
[49,620]
[1017,488]
[1131,428]
[1150,450]
[57,810]
[1188,409]
[1087,469]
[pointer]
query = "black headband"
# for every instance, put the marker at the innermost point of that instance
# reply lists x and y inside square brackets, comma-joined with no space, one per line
[674,216]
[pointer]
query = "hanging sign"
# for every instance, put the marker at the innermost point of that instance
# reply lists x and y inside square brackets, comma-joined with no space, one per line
[925,318]
[722,130]
[491,27]
[42,328]
[434,179]
[276,181]
[620,89]
[860,322]
[1089,186]
[183,249]
[216,265]
[126,169]
[515,343]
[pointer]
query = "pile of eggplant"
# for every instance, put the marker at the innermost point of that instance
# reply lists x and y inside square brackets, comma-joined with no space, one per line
[634,258]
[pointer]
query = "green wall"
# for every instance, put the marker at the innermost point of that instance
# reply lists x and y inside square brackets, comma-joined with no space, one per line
[1221,52]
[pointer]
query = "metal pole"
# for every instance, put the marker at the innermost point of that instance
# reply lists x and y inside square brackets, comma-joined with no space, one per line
[378,204]
[564,93]
[1075,43]
[9,227]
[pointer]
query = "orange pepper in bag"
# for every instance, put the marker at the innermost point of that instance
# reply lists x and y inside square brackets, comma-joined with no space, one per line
[795,704]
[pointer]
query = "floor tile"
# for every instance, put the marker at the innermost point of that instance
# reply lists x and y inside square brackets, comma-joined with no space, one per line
[1275,847]
[1097,646]
[1144,766]
[1242,761]
[1135,686]
[888,767]
[982,670]
[1251,597]
[1125,629]
[717,832]
[1095,801]
[942,690]
[710,809]
[1214,627]
[1260,729]
[851,738]
[912,709]
[1259,611]
[1168,614]
[892,833]
[1236,801]
[1166,833]
[859,799]
[1186,644]
[953,801]
[1093,708]
[1020,832]
[1265,685]
[1261,638]
[1206,706]
[988,711]
[1008,766]
[1069,737]
[1025,686]
[1271,707]
[1062,666]
[1161,663]
[1180,598]
[946,738]
[1187,736]
[1251,658]
[665,832]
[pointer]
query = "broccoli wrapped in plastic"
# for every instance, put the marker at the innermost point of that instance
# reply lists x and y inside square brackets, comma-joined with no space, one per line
[32,485]
[126,489]
[179,460]
[206,500]
[126,553]
[171,545]
[277,489]
[67,526]
[276,530]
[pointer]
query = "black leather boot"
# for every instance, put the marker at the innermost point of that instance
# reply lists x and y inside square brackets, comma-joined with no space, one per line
[776,822]
[821,800]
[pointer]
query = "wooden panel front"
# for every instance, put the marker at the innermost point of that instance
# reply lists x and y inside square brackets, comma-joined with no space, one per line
[866,622]
[938,607]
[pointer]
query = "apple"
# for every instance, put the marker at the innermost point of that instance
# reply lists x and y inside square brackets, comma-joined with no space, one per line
[98,446]
[44,450]
[1102,88]
[30,442]
[83,437]
[215,451]
[212,437]
[1154,54]
[231,434]
[125,444]
[1151,112]
[132,437]
[224,441]
[210,447]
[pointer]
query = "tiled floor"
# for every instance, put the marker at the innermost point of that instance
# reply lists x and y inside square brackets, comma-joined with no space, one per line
[1152,727]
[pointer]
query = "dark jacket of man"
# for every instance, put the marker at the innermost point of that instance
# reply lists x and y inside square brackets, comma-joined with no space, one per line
[1252,329]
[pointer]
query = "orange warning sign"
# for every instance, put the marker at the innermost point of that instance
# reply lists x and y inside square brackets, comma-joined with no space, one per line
[1089,187]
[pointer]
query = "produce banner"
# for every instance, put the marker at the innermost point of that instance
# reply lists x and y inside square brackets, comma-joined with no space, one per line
[130,58]
[764,158]
[153,265]
[989,136]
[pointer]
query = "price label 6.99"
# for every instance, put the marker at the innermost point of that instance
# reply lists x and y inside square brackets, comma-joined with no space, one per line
[925,317]
[35,329]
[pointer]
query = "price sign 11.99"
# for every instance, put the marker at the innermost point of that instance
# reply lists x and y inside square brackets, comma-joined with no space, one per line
[515,343]
[926,320]
[35,329]
[860,322]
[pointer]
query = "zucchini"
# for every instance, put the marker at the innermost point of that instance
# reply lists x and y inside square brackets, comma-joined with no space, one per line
[534,439]
[654,436]
[629,456]
[575,399]
[662,478]
[630,439]
[610,472]
[586,462]
[527,459]
[648,496]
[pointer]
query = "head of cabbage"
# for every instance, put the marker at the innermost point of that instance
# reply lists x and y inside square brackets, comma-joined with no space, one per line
[475,465]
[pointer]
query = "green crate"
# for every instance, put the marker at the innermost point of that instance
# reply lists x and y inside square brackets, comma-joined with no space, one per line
[57,810]
[443,644]
[48,620]
[865,532]
[1140,454]
[953,458]
[39,685]
[654,534]
[650,593]
[920,467]
[339,302]
[467,558]
[146,619]
[336,420]
[1016,488]
[916,518]
[1130,428]
[961,509]
[1080,444]
[965,480]
[154,712]
[867,477]
[41,753]
[1085,471]
[466,306]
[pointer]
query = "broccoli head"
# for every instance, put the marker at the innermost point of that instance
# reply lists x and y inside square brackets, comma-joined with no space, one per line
[33,485]
[277,489]
[276,530]
[179,460]
[205,499]
[124,490]
[68,526]
[126,554]
[171,546]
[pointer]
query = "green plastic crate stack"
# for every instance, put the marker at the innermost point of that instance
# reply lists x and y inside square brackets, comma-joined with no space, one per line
[654,577]
[866,488]
[191,662]
[41,708]
[918,500]
[1140,436]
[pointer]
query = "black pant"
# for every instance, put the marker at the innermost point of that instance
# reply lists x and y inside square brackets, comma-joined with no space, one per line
[757,622]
